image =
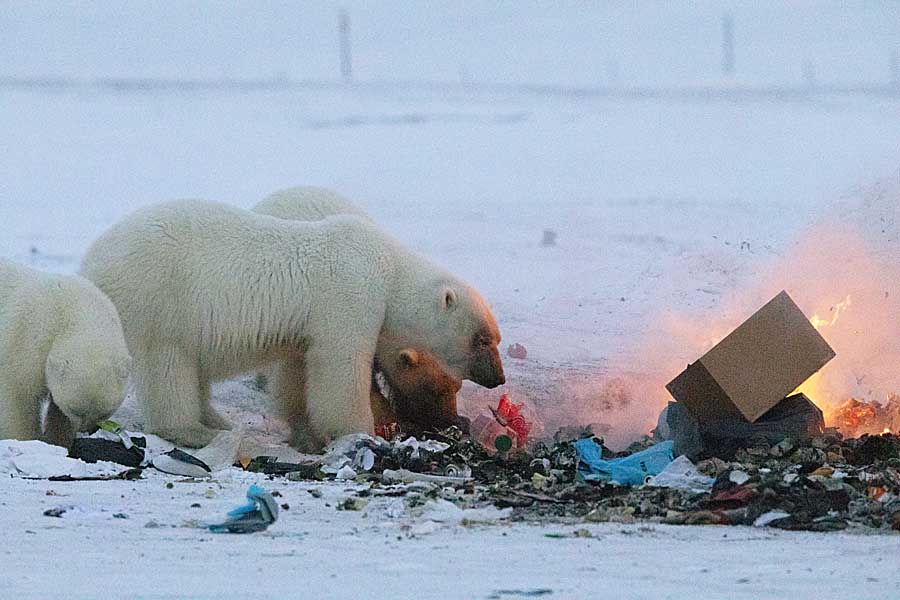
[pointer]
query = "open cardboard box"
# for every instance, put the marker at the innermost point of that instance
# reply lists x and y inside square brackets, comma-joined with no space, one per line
[762,361]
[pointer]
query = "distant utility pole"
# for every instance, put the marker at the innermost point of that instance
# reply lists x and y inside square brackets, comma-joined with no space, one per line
[344,36]
[895,69]
[727,45]
[808,68]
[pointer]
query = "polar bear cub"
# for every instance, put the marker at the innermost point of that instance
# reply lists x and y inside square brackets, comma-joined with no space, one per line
[59,337]
[207,291]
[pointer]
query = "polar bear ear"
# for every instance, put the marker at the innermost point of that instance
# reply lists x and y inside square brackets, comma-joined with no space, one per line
[409,358]
[448,298]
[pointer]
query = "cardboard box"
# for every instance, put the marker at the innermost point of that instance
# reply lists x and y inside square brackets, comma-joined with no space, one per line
[755,367]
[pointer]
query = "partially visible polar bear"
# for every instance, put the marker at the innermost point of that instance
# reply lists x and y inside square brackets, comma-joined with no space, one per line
[421,394]
[59,335]
[206,291]
[307,203]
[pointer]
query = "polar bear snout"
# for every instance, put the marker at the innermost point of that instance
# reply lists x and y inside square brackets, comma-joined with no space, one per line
[485,365]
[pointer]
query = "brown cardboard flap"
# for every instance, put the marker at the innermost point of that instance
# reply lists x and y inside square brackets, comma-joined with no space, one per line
[758,364]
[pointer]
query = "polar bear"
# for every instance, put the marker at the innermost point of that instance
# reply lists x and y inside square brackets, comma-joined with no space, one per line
[207,291]
[422,394]
[59,336]
[419,396]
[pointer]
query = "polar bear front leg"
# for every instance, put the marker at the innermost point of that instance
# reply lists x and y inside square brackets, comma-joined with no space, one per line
[169,390]
[338,387]
[58,428]
[20,414]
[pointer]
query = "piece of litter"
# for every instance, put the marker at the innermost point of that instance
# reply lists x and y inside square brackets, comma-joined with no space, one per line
[406,476]
[346,472]
[628,470]
[260,511]
[179,462]
[738,477]
[766,518]
[681,474]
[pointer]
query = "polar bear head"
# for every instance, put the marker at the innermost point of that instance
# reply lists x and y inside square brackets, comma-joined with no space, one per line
[449,318]
[422,392]
[87,378]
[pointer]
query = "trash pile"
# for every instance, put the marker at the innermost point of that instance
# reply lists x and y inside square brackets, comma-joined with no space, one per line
[737,447]
[823,484]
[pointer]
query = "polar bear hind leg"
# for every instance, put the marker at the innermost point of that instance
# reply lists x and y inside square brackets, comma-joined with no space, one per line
[209,416]
[287,380]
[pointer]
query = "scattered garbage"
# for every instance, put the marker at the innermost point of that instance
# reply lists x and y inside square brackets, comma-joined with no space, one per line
[104,445]
[756,366]
[504,429]
[179,462]
[257,514]
[517,351]
[736,395]
[628,470]
[795,417]
[681,474]
[34,459]
[406,476]
[444,511]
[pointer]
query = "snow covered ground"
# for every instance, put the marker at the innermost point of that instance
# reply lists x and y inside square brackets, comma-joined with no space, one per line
[661,209]
[158,552]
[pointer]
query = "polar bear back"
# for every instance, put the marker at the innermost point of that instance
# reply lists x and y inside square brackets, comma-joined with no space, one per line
[307,203]
[233,288]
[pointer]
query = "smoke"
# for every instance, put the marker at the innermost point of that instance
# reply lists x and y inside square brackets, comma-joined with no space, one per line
[843,271]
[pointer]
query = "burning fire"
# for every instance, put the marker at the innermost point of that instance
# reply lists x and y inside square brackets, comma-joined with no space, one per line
[835,310]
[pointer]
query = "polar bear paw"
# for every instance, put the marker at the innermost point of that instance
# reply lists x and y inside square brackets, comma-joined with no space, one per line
[214,420]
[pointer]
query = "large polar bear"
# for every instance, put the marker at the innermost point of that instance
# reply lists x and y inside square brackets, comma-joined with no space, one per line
[59,336]
[206,291]
[421,394]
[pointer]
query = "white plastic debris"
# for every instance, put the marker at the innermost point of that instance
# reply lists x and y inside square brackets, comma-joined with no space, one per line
[766,518]
[681,474]
[444,511]
[346,472]
[405,476]
[346,450]
[431,446]
[34,459]
[179,462]
[738,477]
[222,451]
[364,459]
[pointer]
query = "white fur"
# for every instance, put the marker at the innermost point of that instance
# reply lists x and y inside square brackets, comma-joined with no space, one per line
[207,291]
[59,335]
[307,203]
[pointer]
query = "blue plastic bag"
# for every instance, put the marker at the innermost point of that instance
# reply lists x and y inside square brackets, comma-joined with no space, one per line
[628,470]
[260,511]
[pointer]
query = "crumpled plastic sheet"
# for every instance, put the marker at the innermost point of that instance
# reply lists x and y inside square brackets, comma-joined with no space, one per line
[34,459]
[628,470]
[681,474]
[354,451]
[257,514]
